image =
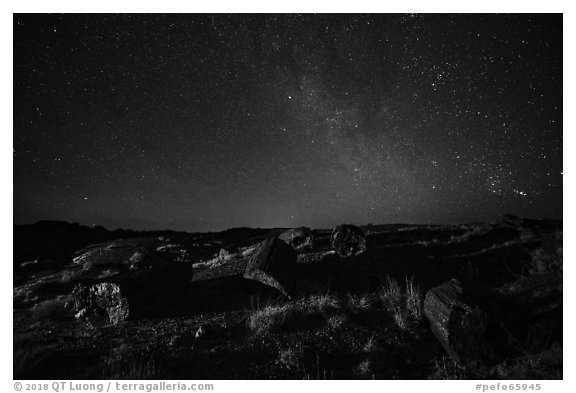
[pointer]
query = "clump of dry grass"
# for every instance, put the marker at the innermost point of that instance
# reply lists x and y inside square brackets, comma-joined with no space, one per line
[358,303]
[273,316]
[404,303]
[390,294]
[323,303]
[270,317]
[413,297]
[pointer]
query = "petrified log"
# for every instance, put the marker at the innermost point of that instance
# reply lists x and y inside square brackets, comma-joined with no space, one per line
[490,324]
[299,238]
[117,283]
[458,323]
[272,263]
[348,240]
[130,294]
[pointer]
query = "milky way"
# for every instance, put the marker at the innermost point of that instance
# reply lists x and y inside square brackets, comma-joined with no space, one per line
[205,122]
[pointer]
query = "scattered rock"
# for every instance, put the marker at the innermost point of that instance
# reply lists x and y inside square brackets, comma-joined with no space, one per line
[299,238]
[272,263]
[348,240]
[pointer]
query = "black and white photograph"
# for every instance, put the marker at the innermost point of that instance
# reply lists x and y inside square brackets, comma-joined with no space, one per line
[287,196]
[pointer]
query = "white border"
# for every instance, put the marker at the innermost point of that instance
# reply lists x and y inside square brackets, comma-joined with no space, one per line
[302,6]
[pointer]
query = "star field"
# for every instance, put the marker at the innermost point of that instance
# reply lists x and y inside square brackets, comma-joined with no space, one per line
[206,122]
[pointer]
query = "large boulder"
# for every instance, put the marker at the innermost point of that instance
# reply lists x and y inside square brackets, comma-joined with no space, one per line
[348,240]
[272,263]
[299,238]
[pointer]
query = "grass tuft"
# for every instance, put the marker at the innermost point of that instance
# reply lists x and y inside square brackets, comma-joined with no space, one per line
[360,303]
[404,303]
[323,303]
[270,318]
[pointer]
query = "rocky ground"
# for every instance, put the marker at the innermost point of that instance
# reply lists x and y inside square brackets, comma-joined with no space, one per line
[466,301]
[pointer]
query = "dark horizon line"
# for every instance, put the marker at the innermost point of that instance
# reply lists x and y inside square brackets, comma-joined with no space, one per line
[93,226]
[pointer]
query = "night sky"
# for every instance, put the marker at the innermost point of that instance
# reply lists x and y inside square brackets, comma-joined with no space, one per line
[206,122]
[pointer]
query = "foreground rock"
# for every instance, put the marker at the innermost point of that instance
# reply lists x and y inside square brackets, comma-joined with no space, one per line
[272,263]
[300,239]
[488,325]
[121,280]
[458,323]
[348,240]
[100,304]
